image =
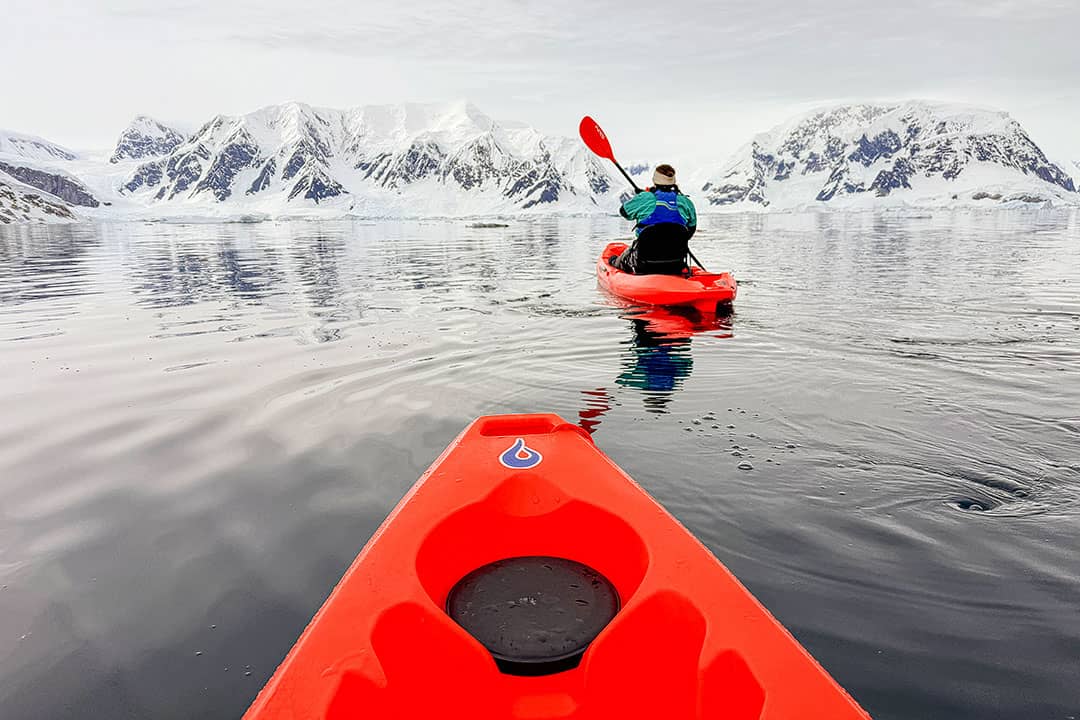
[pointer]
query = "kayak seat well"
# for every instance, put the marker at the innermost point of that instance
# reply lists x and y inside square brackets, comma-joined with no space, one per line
[528,515]
[427,662]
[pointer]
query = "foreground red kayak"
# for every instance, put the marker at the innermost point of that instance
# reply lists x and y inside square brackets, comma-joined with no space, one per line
[526,576]
[705,291]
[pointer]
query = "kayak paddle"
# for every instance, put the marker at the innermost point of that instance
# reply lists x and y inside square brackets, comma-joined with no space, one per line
[596,140]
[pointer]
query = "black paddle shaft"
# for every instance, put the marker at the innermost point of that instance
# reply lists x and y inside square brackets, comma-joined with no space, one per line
[627,176]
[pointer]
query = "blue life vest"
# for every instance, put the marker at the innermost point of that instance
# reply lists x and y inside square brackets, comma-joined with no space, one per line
[666,210]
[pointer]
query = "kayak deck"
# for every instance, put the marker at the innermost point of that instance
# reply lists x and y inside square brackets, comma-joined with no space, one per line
[704,291]
[688,641]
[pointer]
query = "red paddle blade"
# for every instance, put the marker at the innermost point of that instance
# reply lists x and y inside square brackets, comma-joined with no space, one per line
[595,139]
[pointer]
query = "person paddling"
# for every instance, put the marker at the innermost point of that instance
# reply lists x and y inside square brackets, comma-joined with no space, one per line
[666,220]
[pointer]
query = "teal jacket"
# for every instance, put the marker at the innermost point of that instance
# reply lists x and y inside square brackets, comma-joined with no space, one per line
[642,205]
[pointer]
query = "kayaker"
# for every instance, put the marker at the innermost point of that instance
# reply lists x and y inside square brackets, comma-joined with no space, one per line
[666,220]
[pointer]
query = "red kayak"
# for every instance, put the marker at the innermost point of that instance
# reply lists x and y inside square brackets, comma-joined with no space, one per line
[705,291]
[525,576]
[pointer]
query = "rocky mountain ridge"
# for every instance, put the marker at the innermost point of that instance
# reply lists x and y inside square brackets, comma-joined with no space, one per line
[145,138]
[413,160]
[913,152]
[423,158]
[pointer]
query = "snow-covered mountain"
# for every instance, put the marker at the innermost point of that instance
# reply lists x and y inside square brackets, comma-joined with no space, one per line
[22,203]
[145,138]
[56,182]
[294,160]
[31,147]
[398,160]
[29,163]
[910,153]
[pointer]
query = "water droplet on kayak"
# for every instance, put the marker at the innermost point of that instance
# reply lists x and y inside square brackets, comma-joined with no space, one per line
[198,653]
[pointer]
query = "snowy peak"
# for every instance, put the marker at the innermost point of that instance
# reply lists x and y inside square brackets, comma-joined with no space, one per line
[423,159]
[145,138]
[32,147]
[917,152]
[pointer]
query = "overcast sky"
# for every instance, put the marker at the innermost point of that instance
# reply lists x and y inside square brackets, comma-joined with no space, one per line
[667,80]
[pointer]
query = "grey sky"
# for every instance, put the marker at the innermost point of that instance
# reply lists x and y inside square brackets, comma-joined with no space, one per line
[667,80]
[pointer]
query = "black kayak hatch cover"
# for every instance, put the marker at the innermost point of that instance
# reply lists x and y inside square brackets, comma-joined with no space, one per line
[536,615]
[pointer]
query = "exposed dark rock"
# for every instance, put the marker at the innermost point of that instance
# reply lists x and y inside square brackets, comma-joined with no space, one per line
[235,157]
[542,193]
[146,138]
[814,163]
[67,189]
[867,151]
[183,170]
[148,175]
[419,161]
[783,170]
[598,181]
[316,186]
[17,205]
[296,163]
[265,176]
[896,177]
[832,185]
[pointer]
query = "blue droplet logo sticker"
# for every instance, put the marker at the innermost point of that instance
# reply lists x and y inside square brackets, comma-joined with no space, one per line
[520,457]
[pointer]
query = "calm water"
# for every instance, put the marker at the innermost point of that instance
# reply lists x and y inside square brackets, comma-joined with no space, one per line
[201,425]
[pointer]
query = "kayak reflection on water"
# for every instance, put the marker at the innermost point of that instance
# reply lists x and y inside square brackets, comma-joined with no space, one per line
[659,357]
[657,364]
[657,361]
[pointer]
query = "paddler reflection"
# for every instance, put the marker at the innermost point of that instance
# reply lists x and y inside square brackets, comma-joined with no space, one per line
[657,359]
